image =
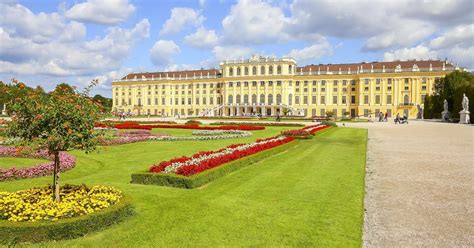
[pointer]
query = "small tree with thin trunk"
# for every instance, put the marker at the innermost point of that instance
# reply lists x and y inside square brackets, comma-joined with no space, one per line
[60,120]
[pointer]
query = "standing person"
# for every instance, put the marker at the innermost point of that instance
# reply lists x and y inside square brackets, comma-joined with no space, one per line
[397,118]
[386,117]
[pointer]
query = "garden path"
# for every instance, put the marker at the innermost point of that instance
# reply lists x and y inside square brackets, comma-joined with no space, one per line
[419,185]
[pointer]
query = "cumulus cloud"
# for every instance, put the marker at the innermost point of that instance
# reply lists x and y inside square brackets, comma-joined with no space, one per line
[314,51]
[102,12]
[255,22]
[231,52]
[181,18]
[418,52]
[202,38]
[162,52]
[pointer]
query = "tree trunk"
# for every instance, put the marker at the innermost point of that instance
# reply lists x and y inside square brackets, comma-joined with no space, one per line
[56,177]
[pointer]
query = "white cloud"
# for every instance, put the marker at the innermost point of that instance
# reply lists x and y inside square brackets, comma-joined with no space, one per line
[162,52]
[312,52]
[222,53]
[462,35]
[202,38]
[180,18]
[254,22]
[19,21]
[418,52]
[102,12]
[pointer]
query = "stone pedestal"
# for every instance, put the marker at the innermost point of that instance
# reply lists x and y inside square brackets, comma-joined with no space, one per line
[464,117]
[445,115]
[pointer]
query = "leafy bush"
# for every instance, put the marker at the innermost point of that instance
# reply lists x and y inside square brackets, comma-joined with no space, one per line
[329,123]
[191,122]
[189,182]
[34,232]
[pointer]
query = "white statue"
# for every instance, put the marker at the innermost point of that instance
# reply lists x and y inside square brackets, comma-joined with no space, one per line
[445,105]
[465,102]
[445,113]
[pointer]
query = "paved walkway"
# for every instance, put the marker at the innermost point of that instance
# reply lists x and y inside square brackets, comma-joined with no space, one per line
[419,185]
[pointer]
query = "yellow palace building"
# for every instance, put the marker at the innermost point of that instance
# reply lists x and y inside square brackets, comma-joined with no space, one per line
[271,86]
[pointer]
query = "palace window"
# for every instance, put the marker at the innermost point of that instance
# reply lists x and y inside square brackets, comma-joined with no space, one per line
[389,88]
[176,101]
[270,99]
[305,83]
[323,99]
[407,80]
[297,83]
[423,80]
[230,84]
[156,101]
[279,69]
[278,100]
[182,101]
[377,88]
[314,89]
[334,89]
[305,99]
[366,99]
[270,83]
[262,83]
[290,99]
[290,69]
[270,70]
[335,82]
[238,71]
[343,100]
[353,99]
[204,101]
[389,81]
[297,89]
[246,84]
[278,83]
[323,82]
[254,83]
[305,90]
[423,87]
[254,99]
[313,99]
[246,70]
[353,82]
[246,99]
[254,70]
[366,81]
[189,100]
[389,99]
[163,101]
[238,84]
[231,99]
[344,82]
[323,112]
[262,98]
[237,99]
[334,100]
[377,99]
[129,101]
[377,81]
[314,83]
[297,99]
[323,89]
[149,101]
[211,100]
[262,70]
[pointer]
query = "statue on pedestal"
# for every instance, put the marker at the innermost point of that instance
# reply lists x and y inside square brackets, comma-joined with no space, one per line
[464,114]
[445,113]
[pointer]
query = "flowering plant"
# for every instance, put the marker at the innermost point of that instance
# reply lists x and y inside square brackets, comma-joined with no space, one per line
[66,162]
[298,134]
[202,161]
[36,204]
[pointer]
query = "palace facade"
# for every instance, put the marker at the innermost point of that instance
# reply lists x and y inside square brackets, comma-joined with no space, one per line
[270,86]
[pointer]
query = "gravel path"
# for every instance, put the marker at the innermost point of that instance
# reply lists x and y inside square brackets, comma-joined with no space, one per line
[419,185]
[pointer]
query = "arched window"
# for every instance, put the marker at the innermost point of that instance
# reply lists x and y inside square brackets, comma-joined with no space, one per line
[237,99]
[279,69]
[406,99]
[290,99]
[231,99]
[246,99]
[290,69]
[262,98]
[278,99]
[254,70]
[139,102]
[270,99]
[270,70]
[246,70]
[231,71]
[262,70]
[238,71]
[254,99]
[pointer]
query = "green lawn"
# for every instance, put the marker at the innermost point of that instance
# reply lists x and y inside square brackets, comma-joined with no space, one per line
[308,196]
[9,162]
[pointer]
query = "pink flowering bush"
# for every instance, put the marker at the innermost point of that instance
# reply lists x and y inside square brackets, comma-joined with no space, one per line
[66,162]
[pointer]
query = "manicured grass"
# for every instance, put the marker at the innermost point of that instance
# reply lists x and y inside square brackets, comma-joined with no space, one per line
[308,196]
[172,131]
[9,162]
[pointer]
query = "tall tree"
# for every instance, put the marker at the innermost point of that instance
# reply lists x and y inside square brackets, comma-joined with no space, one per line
[58,121]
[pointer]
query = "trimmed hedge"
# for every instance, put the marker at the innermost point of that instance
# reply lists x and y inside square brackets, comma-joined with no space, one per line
[35,232]
[329,123]
[179,181]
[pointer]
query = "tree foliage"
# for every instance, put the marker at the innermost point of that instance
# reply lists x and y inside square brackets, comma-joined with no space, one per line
[60,120]
[451,87]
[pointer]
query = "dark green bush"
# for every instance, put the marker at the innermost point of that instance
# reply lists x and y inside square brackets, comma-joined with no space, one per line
[35,232]
[178,181]
[329,123]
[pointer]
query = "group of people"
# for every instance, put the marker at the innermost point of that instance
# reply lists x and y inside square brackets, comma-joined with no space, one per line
[383,117]
[401,120]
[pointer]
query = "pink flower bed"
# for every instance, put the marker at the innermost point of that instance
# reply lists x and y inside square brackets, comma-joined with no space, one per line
[66,162]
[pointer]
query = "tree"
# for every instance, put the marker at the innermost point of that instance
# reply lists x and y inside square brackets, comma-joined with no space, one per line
[60,120]
[105,103]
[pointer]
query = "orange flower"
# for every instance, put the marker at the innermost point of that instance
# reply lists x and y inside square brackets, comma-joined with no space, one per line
[69,131]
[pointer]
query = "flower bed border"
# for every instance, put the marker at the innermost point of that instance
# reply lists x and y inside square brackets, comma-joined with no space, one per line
[199,179]
[35,232]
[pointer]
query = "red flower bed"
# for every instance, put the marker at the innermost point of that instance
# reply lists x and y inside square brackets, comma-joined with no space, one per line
[299,133]
[314,128]
[188,126]
[210,159]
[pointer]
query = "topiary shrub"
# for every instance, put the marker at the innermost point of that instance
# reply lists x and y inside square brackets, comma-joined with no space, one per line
[329,123]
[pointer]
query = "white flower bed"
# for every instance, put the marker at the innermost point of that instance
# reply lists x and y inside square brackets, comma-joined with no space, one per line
[197,160]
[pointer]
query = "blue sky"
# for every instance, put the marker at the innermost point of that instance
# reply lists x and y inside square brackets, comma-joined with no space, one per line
[49,42]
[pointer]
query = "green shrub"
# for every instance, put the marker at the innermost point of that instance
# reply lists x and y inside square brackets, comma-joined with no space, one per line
[192,122]
[329,123]
[35,232]
[178,181]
